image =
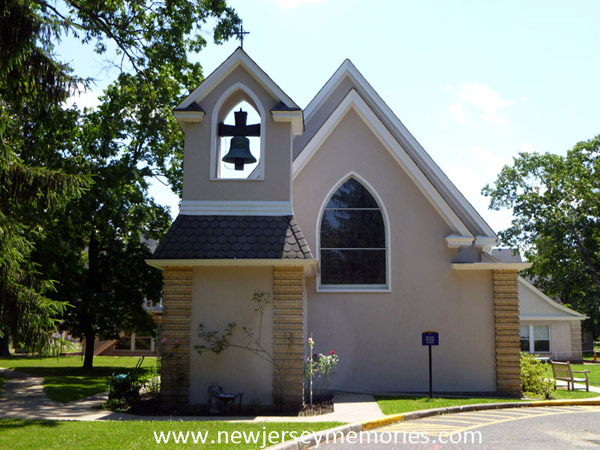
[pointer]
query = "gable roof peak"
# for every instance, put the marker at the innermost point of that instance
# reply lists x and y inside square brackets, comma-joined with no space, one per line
[238,58]
[334,88]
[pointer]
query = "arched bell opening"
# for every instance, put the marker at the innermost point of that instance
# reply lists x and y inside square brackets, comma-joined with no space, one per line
[233,146]
[239,138]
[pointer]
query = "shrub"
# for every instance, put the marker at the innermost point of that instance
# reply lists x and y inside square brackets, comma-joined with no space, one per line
[116,405]
[533,376]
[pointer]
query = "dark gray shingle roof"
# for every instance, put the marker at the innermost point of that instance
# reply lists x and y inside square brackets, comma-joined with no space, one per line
[191,107]
[282,107]
[507,255]
[230,237]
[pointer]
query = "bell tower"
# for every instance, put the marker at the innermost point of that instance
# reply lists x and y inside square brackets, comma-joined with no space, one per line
[235,234]
[244,164]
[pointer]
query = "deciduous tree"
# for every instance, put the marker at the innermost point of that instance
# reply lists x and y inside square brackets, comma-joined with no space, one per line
[95,247]
[556,218]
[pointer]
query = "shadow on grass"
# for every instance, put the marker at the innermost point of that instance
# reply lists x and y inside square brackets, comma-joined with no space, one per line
[12,424]
[70,382]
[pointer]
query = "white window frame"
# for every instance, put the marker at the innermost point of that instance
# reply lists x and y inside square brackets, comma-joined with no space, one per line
[387,287]
[132,348]
[532,338]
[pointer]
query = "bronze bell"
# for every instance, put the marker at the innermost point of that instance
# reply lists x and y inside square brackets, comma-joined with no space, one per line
[239,153]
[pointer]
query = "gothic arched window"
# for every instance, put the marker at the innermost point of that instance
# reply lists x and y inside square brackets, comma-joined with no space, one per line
[353,240]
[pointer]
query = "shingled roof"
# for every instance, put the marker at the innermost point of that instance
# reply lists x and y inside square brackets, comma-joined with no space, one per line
[233,237]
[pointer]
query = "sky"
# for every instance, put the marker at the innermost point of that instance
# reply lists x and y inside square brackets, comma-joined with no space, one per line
[476,82]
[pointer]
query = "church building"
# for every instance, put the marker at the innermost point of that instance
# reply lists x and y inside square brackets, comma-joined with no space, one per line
[339,213]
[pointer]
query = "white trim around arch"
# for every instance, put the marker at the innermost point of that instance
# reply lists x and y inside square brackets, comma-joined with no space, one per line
[386,222]
[353,101]
[259,172]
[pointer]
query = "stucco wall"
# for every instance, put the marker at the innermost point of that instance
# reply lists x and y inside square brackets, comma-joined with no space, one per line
[530,304]
[533,305]
[378,335]
[222,295]
[560,334]
[197,183]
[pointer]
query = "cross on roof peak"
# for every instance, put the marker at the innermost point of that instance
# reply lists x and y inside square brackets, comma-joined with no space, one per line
[240,35]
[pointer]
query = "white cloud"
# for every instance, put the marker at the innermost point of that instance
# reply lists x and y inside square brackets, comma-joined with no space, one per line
[526,147]
[483,99]
[288,4]
[487,163]
[457,112]
[83,99]
[470,181]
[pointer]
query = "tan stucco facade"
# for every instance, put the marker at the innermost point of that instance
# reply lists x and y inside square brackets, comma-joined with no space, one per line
[377,335]
[272,374]
[198,182]
[222,295]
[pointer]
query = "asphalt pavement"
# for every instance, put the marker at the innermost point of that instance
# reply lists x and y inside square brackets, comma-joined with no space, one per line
[564,427]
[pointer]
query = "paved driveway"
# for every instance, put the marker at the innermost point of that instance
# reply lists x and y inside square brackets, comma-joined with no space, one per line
[521,428]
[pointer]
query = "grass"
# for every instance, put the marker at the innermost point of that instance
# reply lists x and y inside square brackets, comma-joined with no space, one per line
[590,355]
[594,375]
[561,394]
[405,403]
[64,378]
[26,434]
[2,381]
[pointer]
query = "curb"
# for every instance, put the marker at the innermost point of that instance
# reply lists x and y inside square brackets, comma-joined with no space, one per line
[335,433]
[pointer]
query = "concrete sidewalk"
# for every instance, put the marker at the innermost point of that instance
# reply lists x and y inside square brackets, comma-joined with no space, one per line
[23,397]
[578,386]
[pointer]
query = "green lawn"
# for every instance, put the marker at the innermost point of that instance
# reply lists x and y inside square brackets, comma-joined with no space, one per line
[64,378]
[45,434]
[562,394]
[594,375]
[405,403]
[590,355]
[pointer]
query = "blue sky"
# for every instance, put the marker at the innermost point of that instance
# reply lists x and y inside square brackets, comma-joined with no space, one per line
[476,82]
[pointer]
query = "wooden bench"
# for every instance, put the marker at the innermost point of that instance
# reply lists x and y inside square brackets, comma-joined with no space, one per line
[563,371]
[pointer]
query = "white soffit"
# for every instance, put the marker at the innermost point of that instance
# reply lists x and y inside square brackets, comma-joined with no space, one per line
[310,265]
[237,58]
[550,318]
[485,242]
[490,266]
[353,101]
[349,70]
[189,116]
[293,117]
[457,241]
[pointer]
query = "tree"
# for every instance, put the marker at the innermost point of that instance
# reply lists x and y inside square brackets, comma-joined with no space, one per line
[32,87]
[556,217]
[94,247]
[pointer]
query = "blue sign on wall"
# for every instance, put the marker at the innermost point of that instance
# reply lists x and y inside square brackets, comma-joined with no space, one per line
[430,338]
